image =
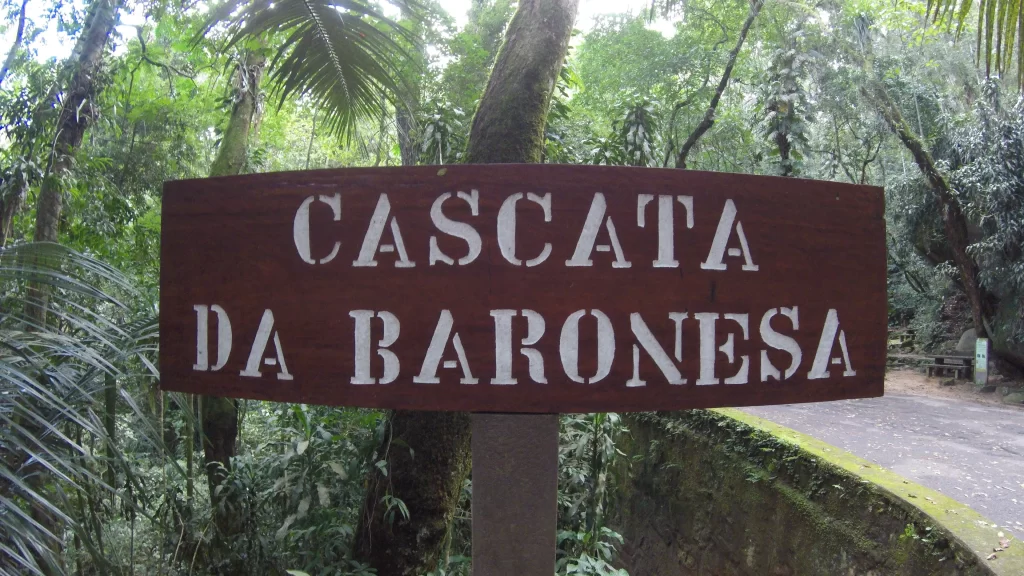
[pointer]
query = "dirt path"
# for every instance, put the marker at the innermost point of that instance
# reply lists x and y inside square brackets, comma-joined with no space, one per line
[949,438]
[913,382]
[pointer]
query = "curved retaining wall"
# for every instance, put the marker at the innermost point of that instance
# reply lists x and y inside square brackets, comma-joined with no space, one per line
[720,492]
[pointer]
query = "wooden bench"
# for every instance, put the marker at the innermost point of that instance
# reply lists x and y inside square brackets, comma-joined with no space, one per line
[960,366]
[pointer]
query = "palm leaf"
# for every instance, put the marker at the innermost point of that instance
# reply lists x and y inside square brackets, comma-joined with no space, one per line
[51,378]
[344,55]
[1000,31]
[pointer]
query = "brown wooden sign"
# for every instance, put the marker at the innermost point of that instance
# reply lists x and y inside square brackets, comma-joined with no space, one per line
[523,288]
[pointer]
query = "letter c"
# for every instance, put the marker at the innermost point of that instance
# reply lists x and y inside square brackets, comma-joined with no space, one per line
[507,227]
[300,229]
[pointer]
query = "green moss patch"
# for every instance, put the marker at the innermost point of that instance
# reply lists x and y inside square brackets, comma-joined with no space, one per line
[723,492]
[974,531]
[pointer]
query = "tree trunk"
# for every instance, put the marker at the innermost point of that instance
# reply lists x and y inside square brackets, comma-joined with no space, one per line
[709,114]
[407,106]
[220,415]
[9,206]
[782,141]
[234,144]
[75,114]
[428,458]
[220,431]
[427,469]
[110,425]
[406,126]
[509,123]
[953,220]
[16,47]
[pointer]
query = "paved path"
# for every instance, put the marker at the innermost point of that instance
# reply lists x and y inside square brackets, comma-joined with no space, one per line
[971,452]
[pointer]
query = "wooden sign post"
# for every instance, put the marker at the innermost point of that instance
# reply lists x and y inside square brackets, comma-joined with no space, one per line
[522,289]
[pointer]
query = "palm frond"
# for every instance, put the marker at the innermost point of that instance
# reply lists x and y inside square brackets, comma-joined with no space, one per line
[1000,30]
[52,378]
[345,55]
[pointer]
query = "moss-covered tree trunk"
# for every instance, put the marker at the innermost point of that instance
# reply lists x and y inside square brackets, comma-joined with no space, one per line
[219,416]
[954,220]
[428,458]
[82,71]
[234,144]
[10,203]
[509,123]
[427,468]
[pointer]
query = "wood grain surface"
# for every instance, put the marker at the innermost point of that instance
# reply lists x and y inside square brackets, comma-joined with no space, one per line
[239,244]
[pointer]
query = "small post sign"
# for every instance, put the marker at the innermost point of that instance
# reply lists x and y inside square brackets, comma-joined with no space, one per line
[523,288]
[981,362]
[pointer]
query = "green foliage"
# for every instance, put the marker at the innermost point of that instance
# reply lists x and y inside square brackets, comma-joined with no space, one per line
[634,137]
[62,473]
[472,52]
[597,555]
[443,133]
[1000,30]
[299,476]
[344,56]
[587,460]
[990,177]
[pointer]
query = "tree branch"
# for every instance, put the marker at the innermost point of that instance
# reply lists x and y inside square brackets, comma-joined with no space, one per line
[709,115]
[953,219]
[17,43]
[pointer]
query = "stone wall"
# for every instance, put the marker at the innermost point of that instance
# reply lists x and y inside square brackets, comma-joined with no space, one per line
[706,493]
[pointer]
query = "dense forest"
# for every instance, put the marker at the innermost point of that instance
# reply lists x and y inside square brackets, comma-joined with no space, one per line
[101,472]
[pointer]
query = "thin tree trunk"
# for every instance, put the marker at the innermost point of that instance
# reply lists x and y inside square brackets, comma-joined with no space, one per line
[219,416]
[407,106]
[784,146]
[709,114]
[75,115]
[9,206]
[427,469]
[16,47]
[190,451]
[220,432]
[109,424]
[405,124]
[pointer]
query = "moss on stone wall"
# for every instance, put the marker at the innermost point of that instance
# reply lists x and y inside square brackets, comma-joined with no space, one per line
[707,493]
